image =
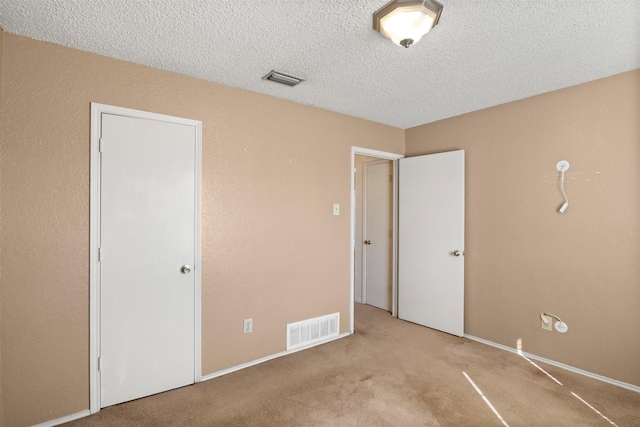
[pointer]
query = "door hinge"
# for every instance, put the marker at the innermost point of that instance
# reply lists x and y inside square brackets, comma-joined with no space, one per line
[390,233]
[99,254]
[99,364]
[100,145]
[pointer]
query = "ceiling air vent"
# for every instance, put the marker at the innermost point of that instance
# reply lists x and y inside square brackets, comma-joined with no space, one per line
[285,79]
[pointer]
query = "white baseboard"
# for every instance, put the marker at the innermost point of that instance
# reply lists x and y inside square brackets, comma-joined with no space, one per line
[628,386]
[267,358]
[66,419]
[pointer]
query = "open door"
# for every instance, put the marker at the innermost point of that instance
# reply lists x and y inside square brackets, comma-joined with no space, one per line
[378,226]
[431,241]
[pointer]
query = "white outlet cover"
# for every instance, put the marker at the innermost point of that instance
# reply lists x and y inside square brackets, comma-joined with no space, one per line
[248,326]
[562,165]
[546,322]
[561,327]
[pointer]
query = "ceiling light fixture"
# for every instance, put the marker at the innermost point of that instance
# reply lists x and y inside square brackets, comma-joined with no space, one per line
[406,21]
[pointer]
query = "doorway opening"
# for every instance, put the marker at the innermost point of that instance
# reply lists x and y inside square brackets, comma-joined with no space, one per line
[374,231]
[373,158]
[427,233]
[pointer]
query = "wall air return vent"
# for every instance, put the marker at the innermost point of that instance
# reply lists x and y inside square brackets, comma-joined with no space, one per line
[285,79]
[306,332]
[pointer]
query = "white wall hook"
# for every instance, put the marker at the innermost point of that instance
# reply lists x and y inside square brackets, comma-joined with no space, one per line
[562,165]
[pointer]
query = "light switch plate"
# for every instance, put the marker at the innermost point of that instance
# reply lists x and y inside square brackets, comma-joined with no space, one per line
[248,326]
[336,209]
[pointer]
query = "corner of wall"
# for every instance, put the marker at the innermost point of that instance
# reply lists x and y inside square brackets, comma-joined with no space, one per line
[1,143]
[555,262]
[405,137]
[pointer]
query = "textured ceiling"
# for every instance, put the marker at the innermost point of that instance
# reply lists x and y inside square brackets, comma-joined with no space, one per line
[482,52]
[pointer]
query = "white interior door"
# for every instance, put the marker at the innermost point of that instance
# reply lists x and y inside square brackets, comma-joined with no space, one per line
[147,234]
[378,207]
[431,241]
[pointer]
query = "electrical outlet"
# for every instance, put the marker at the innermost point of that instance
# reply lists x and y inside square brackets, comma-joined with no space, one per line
[546,326]
[248,326]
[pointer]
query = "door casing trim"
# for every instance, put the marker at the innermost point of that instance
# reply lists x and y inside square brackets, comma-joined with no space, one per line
[94,241]
[394,269]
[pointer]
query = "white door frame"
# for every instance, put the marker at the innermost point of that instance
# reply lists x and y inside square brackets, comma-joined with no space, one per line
[94,266]
[394,268]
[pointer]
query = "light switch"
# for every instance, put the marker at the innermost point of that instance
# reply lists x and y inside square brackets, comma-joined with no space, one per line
[336,209]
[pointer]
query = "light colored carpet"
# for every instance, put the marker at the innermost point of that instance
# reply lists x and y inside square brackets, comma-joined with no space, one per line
[389,373]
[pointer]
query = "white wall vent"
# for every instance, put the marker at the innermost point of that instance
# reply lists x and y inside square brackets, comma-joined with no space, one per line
[300,334]
[285,79]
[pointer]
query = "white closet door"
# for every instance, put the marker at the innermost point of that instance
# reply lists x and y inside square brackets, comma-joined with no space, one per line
[148,235]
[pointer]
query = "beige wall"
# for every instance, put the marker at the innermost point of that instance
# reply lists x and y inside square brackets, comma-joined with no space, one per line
[271,248]
[522,256]
[273,251]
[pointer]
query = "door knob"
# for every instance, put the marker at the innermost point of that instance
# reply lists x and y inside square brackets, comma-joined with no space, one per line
[367,242]
[457,253]
[186,269]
